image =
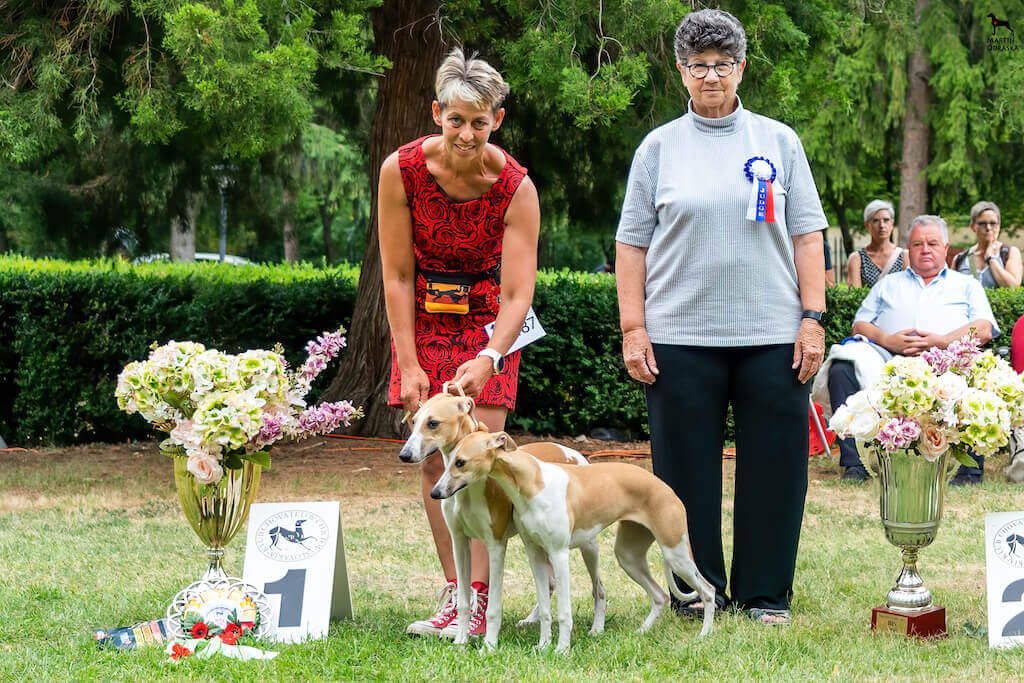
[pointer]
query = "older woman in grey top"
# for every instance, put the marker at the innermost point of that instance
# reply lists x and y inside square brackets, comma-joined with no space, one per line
[721,285]
[989,261]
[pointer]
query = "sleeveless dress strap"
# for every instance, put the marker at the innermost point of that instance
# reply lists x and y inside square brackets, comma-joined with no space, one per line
[411,163]
[508,182]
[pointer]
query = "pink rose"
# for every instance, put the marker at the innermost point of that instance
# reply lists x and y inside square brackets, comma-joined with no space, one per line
[933,442]
[205,467]
[950,387]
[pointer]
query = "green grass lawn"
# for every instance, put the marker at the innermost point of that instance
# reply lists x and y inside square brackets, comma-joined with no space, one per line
[100,541]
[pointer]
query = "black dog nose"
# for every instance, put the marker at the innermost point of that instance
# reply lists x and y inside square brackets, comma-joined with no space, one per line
[435,493]
[404,455]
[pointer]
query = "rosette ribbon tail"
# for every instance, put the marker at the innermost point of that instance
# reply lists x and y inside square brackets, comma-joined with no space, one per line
[761,207]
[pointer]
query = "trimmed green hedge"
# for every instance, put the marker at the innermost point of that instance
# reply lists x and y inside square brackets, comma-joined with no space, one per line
[67,329]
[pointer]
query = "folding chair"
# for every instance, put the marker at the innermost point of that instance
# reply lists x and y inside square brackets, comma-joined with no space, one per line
[821,439]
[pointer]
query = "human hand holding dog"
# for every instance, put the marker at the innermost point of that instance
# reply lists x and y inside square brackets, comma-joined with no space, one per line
[638,355]
[415,388]
[809,349]
[473,375]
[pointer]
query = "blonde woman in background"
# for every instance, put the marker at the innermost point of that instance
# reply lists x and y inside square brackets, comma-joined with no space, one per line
[869,264]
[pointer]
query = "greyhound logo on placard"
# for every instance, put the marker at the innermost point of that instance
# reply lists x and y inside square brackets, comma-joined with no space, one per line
[292,535]
[1009,543]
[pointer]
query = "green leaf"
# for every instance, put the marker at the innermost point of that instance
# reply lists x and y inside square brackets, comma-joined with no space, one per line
[232,462]
[261,458]
[963,458]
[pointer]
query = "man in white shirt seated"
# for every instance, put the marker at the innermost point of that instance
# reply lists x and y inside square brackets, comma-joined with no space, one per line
[909,312]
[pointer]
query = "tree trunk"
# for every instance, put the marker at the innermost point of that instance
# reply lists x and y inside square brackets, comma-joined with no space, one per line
[408,33]
[839,207]
[291,235]
[4,244]
[183,230]
[325,220]
[913,185]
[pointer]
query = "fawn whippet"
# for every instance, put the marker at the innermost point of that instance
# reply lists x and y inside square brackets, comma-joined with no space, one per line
[483,511]
[556,508]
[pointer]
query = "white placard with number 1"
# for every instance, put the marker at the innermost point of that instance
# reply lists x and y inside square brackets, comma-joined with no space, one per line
[295,554]
[1004,555]
[531,332]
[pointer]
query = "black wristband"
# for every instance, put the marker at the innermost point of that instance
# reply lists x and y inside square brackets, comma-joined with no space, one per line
[816,316]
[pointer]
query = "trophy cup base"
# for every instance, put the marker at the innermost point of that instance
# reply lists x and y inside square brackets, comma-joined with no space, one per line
[928,623]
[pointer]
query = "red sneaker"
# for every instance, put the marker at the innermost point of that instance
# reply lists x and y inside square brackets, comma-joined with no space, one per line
[444,616]
[477,614]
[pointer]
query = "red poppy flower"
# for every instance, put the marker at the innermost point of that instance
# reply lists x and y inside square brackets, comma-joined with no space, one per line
[200,630]
[180,650]
[247,625]
[233,629]
[229,638]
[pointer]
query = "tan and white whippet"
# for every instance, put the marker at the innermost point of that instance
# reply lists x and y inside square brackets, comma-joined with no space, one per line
[556,508]
[483,511]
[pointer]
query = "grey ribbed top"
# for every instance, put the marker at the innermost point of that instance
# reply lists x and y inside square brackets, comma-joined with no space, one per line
[713,277]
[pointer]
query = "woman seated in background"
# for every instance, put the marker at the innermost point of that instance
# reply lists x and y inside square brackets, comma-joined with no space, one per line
[869,264]
[991,262]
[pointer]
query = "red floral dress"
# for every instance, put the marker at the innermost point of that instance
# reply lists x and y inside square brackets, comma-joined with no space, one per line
[452,236]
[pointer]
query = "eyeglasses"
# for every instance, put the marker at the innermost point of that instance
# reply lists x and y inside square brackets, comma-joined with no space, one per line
[994,225]
[723,69]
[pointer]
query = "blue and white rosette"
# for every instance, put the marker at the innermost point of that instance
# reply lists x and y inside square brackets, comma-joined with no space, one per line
[761,173]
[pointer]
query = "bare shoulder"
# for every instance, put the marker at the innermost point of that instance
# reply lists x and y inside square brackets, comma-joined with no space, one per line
[526,193]
[390,171]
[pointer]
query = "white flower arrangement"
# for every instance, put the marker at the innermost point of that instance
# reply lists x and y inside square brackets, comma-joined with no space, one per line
[945,400]
[220,409]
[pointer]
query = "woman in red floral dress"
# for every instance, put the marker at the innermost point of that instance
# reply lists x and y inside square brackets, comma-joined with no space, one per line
[459,220]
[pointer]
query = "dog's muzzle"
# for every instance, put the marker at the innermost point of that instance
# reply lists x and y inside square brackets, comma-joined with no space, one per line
[409,455]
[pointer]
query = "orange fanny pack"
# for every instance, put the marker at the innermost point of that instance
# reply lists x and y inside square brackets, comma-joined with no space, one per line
[449,292]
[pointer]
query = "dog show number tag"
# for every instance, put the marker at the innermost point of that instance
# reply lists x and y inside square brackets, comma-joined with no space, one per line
[531,332]
[295,554]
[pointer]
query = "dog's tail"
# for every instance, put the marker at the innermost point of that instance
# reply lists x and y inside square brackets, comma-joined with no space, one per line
[674,587]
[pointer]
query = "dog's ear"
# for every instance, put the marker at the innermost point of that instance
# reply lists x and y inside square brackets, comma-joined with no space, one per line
[464,405]
[503,442]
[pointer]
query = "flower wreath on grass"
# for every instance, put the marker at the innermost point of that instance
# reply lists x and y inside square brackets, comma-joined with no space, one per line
[210,638]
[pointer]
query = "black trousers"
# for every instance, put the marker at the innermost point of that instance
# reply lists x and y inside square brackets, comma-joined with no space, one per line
[842,384]
[687,410]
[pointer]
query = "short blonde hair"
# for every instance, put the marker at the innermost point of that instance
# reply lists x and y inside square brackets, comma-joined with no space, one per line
[471,80]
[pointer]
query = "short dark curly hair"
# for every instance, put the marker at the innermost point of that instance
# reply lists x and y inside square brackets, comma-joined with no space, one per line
[710,29]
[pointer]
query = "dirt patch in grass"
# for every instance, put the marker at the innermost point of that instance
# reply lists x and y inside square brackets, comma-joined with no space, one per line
[130,475]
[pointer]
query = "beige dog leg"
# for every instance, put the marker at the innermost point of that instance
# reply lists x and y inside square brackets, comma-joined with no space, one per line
[631,544]
[539,565]
[589,553]
[683,566]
